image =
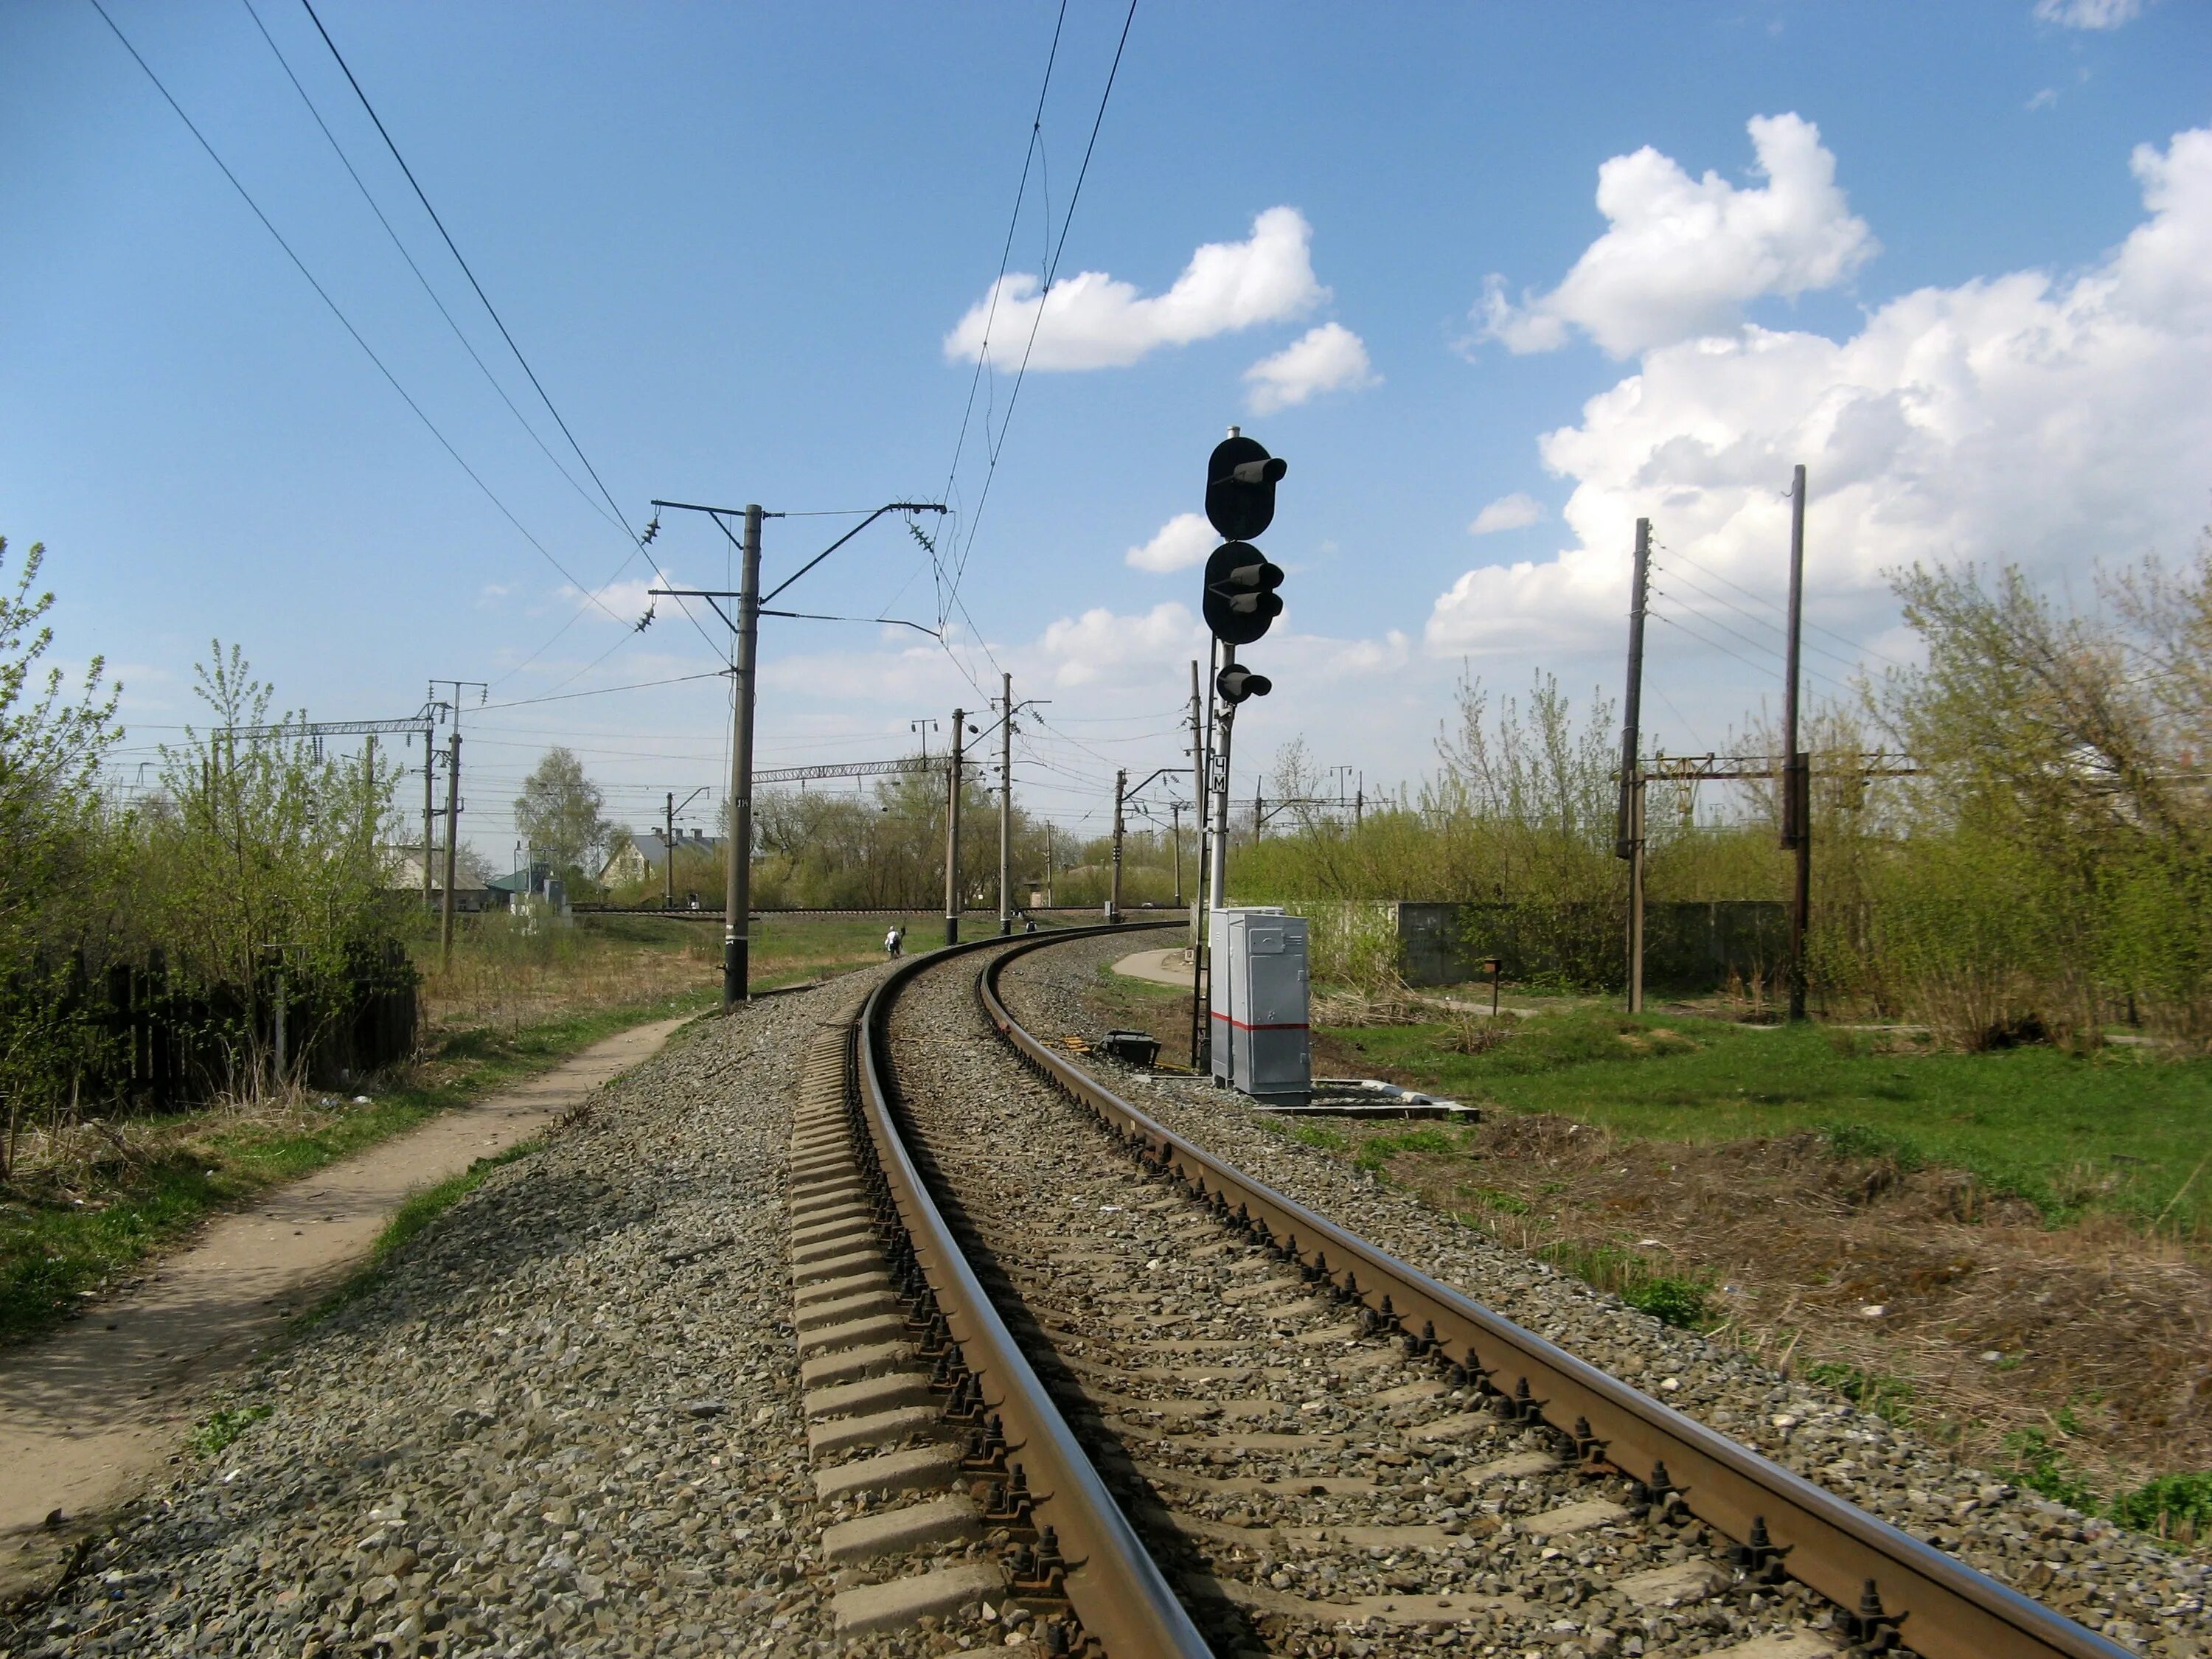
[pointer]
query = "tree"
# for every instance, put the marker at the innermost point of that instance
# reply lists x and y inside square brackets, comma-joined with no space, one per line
[558,814]
[52,839]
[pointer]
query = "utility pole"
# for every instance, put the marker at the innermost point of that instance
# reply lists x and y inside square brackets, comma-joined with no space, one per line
[737,899]
[952,831]
[1051,899]
[1175,831]
[453,837]
[668,855]
[1797,770]
[1628,839]
[1198,798]
[1114,890]
[429,777]
[1005,804]
[452,812]
[737,891]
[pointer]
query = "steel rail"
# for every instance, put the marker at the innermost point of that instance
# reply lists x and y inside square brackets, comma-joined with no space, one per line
[1111,1580]
[1905,1591]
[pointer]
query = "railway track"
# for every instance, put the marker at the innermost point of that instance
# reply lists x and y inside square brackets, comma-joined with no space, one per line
[1067,1366]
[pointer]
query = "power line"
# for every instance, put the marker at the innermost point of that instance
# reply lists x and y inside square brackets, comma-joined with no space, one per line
[1044,296]
[323,294]
[490,309]
[1761,598]
[603,692]
[338,150]
[990,316]
[637,542]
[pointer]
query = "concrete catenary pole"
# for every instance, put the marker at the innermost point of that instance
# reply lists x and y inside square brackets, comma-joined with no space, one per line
[1005,804]
[1114,888]
[453,837]
[1628,839]
[952,829]
[429,809]
[737,886]
[668,854]
[1797,771]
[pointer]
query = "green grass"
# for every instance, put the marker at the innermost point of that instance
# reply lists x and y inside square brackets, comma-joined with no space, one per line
[54,1252]
[423,1208]
[1890,1397]
[2117,1130]
[1671,1298]
[217,1430]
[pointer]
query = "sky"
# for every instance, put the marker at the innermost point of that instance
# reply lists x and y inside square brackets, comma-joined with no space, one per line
[1496,281]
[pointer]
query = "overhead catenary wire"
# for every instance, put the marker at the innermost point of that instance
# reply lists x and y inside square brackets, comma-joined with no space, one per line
[637,542]
[345,322]
[1044,296]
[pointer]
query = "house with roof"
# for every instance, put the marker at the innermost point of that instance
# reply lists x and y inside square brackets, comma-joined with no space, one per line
[647,854]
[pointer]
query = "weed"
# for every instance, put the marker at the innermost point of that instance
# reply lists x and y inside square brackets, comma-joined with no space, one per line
[2041,1467]
[2176,1507]
[1668,1297]
[1315,1134]
[212,1433]
[1375,1154]
[1887,1397]
[1491,1198]
[1858,1140]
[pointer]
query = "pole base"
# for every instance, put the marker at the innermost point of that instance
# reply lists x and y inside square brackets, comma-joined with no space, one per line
[735,964]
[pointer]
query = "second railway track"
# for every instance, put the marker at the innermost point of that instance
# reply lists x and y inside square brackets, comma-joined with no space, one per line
[1169,1412]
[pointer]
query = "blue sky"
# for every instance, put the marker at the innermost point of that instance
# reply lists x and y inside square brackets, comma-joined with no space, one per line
[1957,260]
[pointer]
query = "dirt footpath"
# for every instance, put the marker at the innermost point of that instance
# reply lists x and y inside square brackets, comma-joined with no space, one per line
[87,1414]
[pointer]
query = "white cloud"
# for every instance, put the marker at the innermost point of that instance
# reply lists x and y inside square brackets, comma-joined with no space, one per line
[1329,358]
[627,601]
[2087,13]
[1683,256]
[2018,417]
[1182,541]
[2046,99]
[1506,513]
[1094,321]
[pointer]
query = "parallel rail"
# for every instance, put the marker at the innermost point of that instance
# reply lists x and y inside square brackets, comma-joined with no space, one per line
[1895,1589]
[1114,1586]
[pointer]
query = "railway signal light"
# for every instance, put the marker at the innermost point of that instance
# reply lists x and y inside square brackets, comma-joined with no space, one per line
[1241,602]
[1240,487]
[1235,682]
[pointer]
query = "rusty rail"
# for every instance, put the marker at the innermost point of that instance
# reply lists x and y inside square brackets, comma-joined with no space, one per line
[1893,1589]
[1113,1584]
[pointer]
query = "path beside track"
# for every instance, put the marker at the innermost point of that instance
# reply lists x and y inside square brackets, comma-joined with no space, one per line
[87,1413]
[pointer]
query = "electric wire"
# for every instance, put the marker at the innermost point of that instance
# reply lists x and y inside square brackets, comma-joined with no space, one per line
[1044,296]
[491,379]
[323,294]
[1761,599]
[637,542]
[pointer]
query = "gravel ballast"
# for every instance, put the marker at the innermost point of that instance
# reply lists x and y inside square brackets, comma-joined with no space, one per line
[564,1420]
[2119,1584]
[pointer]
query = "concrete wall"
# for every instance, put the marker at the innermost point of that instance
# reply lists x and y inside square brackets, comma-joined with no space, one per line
[1689,947]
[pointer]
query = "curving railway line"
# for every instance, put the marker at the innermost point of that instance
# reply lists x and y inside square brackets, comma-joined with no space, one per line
[1066,1365]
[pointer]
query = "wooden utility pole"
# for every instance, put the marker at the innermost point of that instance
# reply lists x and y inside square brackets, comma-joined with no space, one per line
[1796,776]
[952,831]
[1628,839]
[1114,889]
[1005,804]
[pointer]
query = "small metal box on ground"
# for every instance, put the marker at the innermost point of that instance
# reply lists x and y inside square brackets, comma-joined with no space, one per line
[1262,1040]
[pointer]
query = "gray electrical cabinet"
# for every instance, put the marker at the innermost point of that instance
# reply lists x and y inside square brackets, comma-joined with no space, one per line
[1262,1039]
